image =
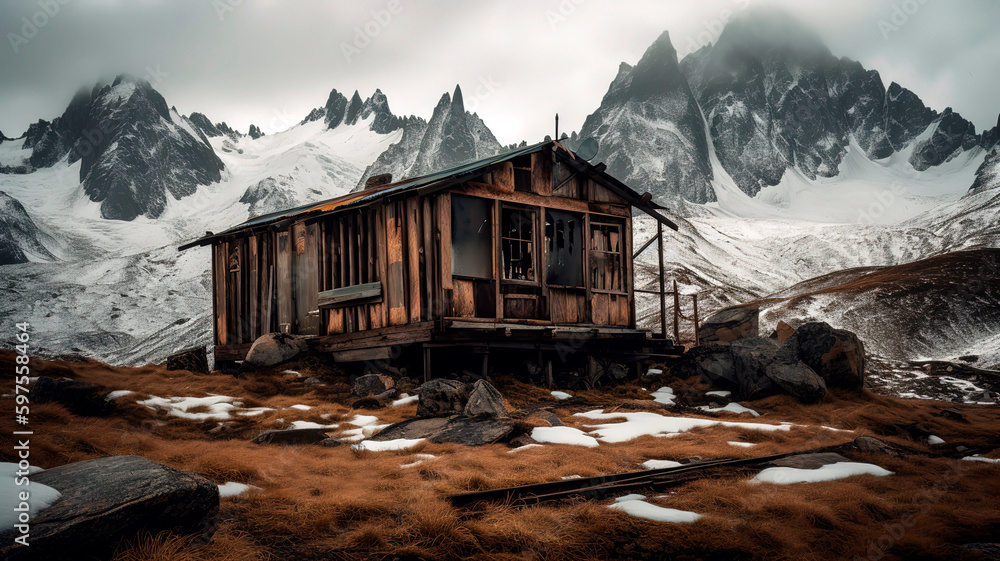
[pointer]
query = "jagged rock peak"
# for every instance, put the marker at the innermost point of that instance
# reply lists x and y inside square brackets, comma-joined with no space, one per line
[255,132]
[354,109]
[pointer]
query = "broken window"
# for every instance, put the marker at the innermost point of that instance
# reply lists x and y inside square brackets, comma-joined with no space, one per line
[517,243]
[564,248]
[522,173]
[471,237]
[352,258]
[607,265]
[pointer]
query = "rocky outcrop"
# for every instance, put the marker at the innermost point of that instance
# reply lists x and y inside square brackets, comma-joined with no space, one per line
[751,359]
[468,431]
[21,240]
[254,132]
[650,129]
[108,500]
[952,135]
[731,324]
[485,400]
[835,354]
[291,436]
[988,174]
[82,398]
[442,398]
[273,348]
[372,384]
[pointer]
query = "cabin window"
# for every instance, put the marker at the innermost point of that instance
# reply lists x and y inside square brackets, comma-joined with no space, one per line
[517,243]
[563,248]
[522,173]
[471,237]
[607,264]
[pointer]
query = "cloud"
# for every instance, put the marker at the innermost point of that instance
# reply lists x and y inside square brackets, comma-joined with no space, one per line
[245,62]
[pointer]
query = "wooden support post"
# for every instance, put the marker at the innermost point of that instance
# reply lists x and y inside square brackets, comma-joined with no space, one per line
[677,315]
[427,364]
[548,374]
[663,288]
[486,364]
[697,338]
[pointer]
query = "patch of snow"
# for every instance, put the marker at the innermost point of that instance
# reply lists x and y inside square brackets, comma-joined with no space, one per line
[829,472]
[525,447]
[116,394]
[311,425]
[219,406]
[561,395]
[563,435]
[568,477]
[405,400]
[664,395]
[730,408]
[363,420]
[387,445]
[301,407]
[632,497]
[660,464]
[642,509]
[232,489]
[421,458]
[654,372]
[254,411]
[41,496]
[740,444]
[934,440]
[371,430]
[982,459]
[297,374]
[720,393]
[645,423]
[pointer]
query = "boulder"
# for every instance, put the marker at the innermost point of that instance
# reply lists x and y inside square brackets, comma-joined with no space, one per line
[442,398]
[273,348]
[192,360]
[372,384]
[835,354]
[379,401]
[291,436]
[751,358]
[111,499]
[714,364]
[730,325]
[457,429]
[797,380]
[486,400]
[82,398]
[547,416]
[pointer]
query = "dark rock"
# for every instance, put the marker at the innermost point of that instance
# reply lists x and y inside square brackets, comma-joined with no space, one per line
[254,132]
[442,398]
[798,380]
[484,399]
[82,398]
[372,384]
[313,381]
[809,461]
[714,364]
[546,416]
[730,324]
[330,442]
[108,500]
[969,358]
[413,428]
[984,551]
[783,331]
[835,354]
[952,414]
[379,401]
[19,233]
[273,349]
[751,358]
[872,445]
[291,436]
[192,360]
[475,431]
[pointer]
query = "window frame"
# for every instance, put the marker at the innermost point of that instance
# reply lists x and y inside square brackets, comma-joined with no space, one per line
[607,222]
[536,212]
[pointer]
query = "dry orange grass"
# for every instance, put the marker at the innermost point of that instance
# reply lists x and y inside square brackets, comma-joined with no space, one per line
[335,503]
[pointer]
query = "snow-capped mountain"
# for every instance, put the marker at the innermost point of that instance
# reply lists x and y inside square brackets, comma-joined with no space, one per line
[19,236]
[452,136]
[135,150]
[650,128]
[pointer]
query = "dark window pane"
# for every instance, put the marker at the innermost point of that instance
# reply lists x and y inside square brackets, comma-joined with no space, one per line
[517,244]
[471,232]
[564,248]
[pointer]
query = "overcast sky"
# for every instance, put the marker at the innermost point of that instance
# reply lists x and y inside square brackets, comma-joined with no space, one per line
[519,62]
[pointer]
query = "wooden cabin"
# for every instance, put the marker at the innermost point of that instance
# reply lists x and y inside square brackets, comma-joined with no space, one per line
[529,250]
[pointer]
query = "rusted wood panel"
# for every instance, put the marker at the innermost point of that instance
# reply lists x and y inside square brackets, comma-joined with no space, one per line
[383,257]
[503,177]
[465,298]
[600,304]
[397,289]
[431,292]
[219,285]
[444,240]
[541,174]
[335,321]
[283,285]
[525,198]
[629,274]
[413,257]
[375,316]
[600,194]
[566,306]
[253,258]
[519,308]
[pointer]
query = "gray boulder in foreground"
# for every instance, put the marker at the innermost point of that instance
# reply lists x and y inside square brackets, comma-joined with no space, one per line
[730,325]
[107,500]
[273,348]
